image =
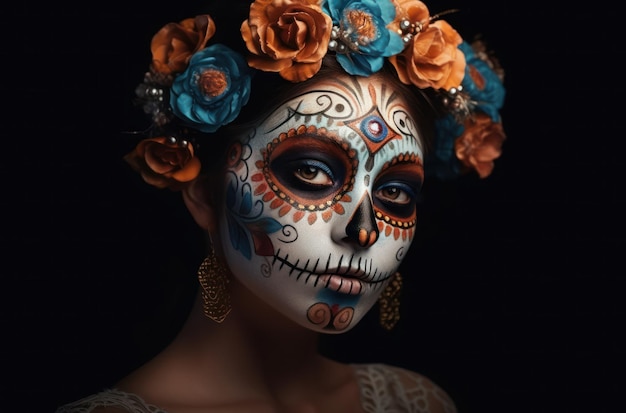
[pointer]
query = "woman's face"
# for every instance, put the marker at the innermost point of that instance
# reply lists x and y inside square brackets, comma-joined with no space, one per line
[320,200]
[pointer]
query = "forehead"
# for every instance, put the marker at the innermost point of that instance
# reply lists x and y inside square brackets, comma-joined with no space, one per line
[373,108]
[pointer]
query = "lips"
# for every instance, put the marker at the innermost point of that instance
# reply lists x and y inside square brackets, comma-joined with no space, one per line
[337,283]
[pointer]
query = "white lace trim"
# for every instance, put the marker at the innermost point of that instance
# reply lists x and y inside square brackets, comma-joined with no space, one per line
[390,389]
[384,389]
[110,398]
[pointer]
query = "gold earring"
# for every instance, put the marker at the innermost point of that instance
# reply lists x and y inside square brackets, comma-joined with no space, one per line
[389,303]
[214,280]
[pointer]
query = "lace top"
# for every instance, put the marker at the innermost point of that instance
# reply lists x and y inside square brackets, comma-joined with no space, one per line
[384,389]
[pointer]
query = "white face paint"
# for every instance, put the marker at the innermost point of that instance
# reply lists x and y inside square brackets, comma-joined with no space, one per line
[320,201]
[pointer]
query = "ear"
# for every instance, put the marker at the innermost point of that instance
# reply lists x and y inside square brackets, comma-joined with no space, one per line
[197,198]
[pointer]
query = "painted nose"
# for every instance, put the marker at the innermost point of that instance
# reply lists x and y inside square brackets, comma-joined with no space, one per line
[362,226]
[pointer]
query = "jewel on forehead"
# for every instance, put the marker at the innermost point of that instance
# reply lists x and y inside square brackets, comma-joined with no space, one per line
[373,130]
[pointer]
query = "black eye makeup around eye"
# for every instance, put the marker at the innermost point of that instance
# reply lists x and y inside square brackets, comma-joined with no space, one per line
[411,189]
[305,174]
[314,164]
[398,195]
[291,166]
[310,167]
[400,210]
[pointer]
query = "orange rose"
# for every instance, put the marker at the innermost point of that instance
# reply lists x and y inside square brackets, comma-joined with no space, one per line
[432,58]
[174,44]
[165,162]
[287,36]
[414,11]
[480,144]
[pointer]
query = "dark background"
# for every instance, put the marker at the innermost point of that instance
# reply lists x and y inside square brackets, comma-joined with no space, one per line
[513,297]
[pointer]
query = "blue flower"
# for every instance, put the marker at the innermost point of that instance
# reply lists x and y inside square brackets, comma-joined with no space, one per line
[482,83]
[442,162]
[212,90]
[360,36]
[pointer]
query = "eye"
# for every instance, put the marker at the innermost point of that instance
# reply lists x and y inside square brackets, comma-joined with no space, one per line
[397,198]
[397,189]
[395,194]
[313,172]
[305,175]
[310,170]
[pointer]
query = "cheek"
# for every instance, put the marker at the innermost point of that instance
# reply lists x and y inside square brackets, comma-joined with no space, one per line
[394,225]
[391,230]
[245,213]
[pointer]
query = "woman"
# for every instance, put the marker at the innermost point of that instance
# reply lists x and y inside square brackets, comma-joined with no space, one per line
[298,137]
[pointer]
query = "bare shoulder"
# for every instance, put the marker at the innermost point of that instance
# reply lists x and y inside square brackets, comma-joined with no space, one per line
[417,392]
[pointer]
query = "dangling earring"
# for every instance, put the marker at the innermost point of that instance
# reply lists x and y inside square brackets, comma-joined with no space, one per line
[214,280]
[389,303]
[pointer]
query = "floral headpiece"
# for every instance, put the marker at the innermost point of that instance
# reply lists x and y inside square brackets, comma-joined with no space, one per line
[193,86]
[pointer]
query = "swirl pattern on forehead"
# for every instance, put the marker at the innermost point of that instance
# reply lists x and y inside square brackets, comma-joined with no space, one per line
[384,117]
[373,110]
[324,106]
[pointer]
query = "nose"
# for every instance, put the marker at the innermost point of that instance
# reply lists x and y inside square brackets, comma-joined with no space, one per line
[362,225]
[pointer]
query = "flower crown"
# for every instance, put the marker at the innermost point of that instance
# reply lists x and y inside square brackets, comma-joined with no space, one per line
[203,87]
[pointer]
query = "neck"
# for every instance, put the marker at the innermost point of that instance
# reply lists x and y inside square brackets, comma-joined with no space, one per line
[255,354]
[253,336]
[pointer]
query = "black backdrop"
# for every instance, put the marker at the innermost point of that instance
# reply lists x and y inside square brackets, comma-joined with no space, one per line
[513,294]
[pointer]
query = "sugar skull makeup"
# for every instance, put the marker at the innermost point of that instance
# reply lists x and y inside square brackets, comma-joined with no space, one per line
[320,200]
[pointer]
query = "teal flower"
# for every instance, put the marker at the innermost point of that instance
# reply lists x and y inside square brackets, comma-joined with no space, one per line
[212,90]
[442,162]
[482,84]
[472,129]
[360,35]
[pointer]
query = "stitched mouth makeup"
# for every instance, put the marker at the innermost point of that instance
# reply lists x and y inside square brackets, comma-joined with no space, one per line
[350,280]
